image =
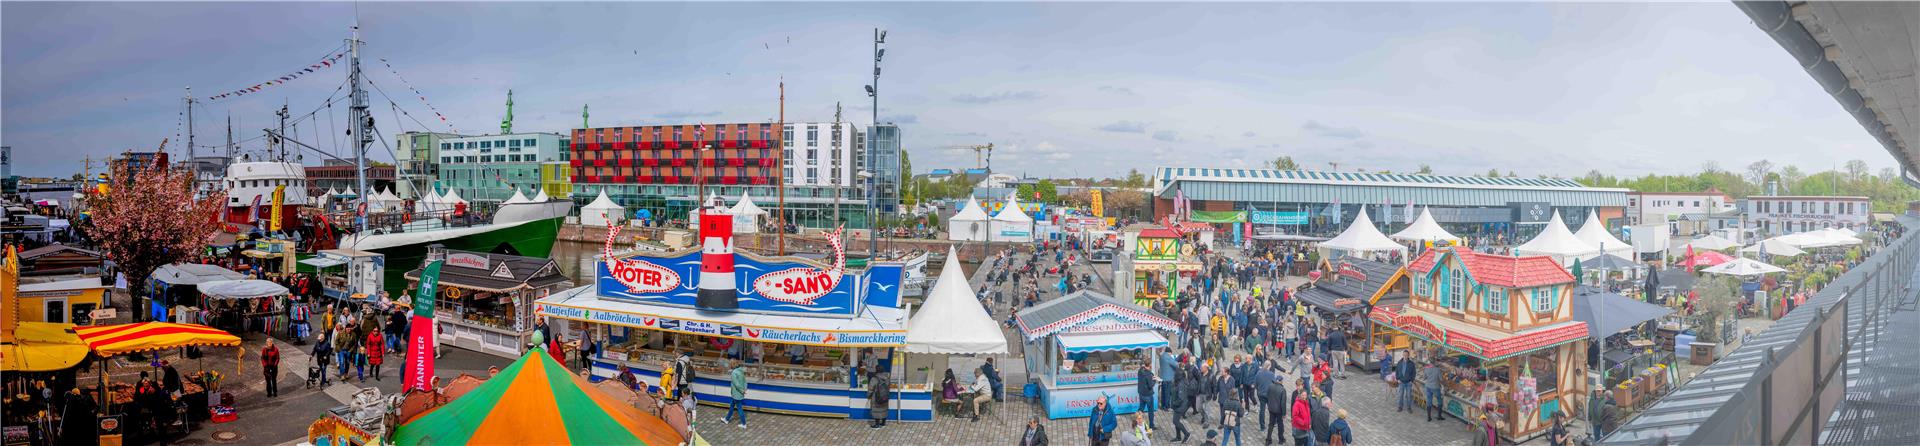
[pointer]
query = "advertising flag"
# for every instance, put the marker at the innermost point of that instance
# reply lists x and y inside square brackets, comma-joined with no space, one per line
[279,196]
[419,367]
[253,213]
[1099,207]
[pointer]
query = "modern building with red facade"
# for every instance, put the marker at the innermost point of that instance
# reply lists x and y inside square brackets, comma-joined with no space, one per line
[338,175]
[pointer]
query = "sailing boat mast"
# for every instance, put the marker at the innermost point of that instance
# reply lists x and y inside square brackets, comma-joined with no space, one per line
[189,160]
[362,125]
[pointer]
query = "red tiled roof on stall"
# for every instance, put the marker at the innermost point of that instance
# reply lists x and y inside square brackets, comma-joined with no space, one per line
[1499,270]
[1158,233]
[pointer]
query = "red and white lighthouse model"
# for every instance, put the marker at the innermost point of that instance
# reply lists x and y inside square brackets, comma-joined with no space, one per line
[717,291]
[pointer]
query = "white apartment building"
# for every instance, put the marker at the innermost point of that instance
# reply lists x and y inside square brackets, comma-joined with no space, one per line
[823,153]
[1686,213]
[1786,214]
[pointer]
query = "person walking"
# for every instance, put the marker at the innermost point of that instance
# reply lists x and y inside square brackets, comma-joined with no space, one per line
[1302,417]
[877,395]
[1144,381]
[1322,420]
[376,354]
[270,366]
[1276,413]
[1230,411]
[323,358]
[1036,433]
[737,386]
[1431,376]
[1100,423]
[1339,432]
[1174,390]
[1337,345]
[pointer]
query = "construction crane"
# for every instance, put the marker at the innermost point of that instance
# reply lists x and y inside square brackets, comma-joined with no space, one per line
[982,154]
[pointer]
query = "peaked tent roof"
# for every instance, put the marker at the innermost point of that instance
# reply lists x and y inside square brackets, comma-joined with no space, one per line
[1361,236]
[517,197]
[1609,262]
[1012,212]
[541,197]
[350,192]
[746,206]
[1054,315]
[1595,233]
[952,320]
[971,212]
[536,401]
[452,197]
[1424,229]
[1556,241]
[1744,267]
[602,202]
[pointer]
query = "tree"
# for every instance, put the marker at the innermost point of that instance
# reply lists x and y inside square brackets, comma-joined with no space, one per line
[906,177]
[1049,193]
[1135,178]
[1889,174]
[1790,178]
[1757,172]
[1425,170]
[1283,163]
[151,221]
[1125,203]
[1493,173]
[1856,170]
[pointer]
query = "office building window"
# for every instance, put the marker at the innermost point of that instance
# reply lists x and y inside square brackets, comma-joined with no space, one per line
[786,136]
[813,136]
[513,143]
[446,146]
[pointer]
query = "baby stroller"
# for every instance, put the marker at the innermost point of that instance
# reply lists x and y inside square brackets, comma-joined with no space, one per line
[316,374]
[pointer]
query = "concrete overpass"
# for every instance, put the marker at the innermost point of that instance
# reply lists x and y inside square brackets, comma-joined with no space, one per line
[1863,53]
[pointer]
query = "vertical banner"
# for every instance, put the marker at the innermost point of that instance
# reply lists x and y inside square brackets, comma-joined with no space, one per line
[420,339]
[279,196]
[1099,208]
[253,213]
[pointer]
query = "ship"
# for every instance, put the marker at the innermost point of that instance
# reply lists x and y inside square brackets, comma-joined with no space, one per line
[523,228]
[250,186]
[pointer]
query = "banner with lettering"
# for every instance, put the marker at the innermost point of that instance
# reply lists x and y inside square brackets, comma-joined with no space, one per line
[279,196]
[418,373]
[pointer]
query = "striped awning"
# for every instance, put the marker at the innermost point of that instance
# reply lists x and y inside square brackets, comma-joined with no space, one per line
[109,340]
[1111,341]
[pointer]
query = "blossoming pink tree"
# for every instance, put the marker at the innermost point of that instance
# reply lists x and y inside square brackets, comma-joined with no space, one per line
[148,218]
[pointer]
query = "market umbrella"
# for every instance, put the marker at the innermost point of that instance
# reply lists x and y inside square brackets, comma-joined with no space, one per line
[109,340]
[1744,267]
[1610,262]
[41,347]
[1774,247]
[536,401]
[1607,313]
[1707,258]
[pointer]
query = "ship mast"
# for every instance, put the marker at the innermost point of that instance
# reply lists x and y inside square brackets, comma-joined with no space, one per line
[362,123]
[189,160]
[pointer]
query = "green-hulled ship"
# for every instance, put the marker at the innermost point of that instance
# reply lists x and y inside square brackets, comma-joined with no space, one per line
[525,228]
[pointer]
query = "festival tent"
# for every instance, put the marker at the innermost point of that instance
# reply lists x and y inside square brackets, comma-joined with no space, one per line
[1361,236]
[1710,243]
[517,197]
[541,197]
[952,320]
[602,211]
[1774,247]
[1595,233]
[1744,267]
[536,401]
[1835,237]
[385,200]
[452,197]
[109,340]
[745,215]
[970,224]
[1706,258]
[42,347]
[1558,243]
[241,289]
[1012,223]
[1424,229]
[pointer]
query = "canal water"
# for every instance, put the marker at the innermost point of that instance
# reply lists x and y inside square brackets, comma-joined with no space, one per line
[576,259]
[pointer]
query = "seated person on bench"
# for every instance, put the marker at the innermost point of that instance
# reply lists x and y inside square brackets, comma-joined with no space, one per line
[982,392]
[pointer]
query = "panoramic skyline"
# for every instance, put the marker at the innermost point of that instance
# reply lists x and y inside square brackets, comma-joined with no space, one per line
[1062,90]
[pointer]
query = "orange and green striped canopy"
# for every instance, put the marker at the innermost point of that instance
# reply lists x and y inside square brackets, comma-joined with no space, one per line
[109,340]
[536,401]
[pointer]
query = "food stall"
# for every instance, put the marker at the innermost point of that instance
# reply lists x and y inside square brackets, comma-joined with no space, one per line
[485,301]
[1502,331]
[349,274]
[67,301]
[1341,297]
[1162,265]
[176,285]
[273,255]
[243,305]
[1085,346]
[804,329]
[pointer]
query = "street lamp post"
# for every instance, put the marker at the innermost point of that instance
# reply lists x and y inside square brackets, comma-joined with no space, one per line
[873,91]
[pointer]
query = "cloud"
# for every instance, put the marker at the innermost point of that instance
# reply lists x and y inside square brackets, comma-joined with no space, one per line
[1248,134]
[1026,95]
[687,114]
[1124,127]
[902,119]
[1167,135]
[968,134]
[1316,128]
[1124,91]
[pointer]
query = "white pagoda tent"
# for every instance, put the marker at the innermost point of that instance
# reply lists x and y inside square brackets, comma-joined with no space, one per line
[951,321]
[385,200]
[452,197]
[602,211]
[1595,233]
[1558,243]
[517,197]
[971,224]
[1011,224]
[1424,229]
[541,197]
[746,215]
[1361,237]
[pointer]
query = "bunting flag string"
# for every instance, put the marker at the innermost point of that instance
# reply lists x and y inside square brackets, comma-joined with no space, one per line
[323,64]
[418,94]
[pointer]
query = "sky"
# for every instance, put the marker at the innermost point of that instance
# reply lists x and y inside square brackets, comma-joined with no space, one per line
[1060,89]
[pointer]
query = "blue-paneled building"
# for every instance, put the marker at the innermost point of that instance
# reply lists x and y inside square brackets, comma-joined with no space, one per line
[1304,201]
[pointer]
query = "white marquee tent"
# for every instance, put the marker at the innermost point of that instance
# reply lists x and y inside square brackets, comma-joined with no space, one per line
[387,201]
[971,224]
[1360,237]
[1424,229]
[1558,243]
[1774,248]
[952,320]
[746,215]
[452,197]
[1011,224]
[517,197]
[602,211]
[541,197]
[1593,232]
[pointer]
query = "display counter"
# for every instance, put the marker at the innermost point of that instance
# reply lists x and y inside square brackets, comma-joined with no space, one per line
[479,334]
[806,389]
